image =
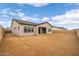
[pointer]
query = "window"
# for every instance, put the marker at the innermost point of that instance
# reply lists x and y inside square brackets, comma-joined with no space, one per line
[49,30]
[25,29]
[28,29]
[32,29]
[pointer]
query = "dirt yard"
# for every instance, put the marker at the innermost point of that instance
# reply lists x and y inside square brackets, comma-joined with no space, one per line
[55,44]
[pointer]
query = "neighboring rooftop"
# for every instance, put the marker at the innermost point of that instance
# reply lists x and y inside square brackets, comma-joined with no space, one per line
[59,27]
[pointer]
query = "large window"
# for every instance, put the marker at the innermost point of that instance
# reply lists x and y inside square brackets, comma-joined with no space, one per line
[28,29]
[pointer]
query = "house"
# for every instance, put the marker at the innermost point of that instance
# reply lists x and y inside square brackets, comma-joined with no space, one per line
[8,30]
[23,28]
[58,28]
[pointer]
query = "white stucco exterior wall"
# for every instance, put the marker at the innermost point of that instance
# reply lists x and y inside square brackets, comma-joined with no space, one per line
[14,28]
[22,33]
[47,27]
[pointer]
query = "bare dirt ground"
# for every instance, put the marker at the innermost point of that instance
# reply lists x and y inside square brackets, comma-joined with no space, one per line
[55,44]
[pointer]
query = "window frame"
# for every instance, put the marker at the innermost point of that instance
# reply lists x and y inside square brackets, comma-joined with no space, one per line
[28,29]
[25,29]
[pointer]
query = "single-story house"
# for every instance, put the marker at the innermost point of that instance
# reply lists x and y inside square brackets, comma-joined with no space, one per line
[23,28]
[58,28]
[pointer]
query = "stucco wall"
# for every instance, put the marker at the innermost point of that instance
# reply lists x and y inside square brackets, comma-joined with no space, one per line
[77,33]
[2,33]
[55,28]
[22,33]
[15,31]
[47,27]
[21,30]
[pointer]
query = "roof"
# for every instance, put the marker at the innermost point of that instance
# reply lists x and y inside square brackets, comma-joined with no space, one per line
[22,22]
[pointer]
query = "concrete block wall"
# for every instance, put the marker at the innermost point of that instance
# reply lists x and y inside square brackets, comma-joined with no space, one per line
[77,33]
[2,33]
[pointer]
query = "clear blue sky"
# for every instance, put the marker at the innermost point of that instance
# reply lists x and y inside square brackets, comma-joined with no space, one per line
[57,14]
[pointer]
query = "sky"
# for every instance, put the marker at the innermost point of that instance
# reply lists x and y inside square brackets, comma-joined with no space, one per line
[57,14]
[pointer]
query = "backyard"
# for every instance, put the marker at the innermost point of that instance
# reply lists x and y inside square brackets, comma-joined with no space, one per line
[59,43]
